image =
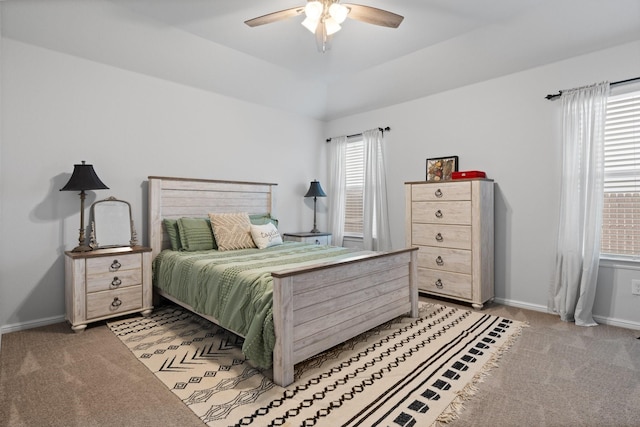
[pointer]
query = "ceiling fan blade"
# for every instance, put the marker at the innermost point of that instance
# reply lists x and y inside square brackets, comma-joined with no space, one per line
[275,16]
[373,15]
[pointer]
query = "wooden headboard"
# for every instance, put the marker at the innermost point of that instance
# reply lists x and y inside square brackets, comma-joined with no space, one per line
[185,197]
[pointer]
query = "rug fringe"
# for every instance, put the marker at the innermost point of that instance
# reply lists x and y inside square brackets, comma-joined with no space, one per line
[455,408]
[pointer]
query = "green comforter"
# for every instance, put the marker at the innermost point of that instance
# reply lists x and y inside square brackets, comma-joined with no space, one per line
[236,287]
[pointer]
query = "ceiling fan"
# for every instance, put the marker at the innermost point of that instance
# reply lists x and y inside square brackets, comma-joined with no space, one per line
[323,18]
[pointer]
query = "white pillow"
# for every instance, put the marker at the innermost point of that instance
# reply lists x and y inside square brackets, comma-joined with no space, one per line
[265,235]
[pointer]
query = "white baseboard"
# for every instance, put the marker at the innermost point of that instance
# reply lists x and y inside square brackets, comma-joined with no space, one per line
[28,325]
[599,319]
[617,322]
[520,304]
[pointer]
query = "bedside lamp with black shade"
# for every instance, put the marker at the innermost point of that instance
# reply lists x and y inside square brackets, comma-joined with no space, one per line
[82,179]
[315,191]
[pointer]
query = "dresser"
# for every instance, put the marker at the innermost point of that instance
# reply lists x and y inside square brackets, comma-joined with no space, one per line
[317,238]
[451,222]
[105,283]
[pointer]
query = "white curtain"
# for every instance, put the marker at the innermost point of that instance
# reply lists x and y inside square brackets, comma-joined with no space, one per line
[337,188]
[573,289]
[376,232]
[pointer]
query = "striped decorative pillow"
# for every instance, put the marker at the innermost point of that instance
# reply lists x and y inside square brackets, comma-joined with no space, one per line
[171,225]
[232,231]
[195,234]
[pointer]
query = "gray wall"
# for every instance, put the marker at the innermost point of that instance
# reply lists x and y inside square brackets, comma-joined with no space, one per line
[59,109]
[507,128]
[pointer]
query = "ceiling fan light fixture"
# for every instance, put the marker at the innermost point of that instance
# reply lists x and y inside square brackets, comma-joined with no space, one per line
[331,26]
[338,12]
[314,10]
[310,24]
[323,18]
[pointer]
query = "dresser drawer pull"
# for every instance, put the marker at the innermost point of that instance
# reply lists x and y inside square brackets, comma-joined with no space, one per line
[439,237]
[439,213]
[115,265]
[116,302]
[439,284]
[116,282]
[439,260]
[438,193]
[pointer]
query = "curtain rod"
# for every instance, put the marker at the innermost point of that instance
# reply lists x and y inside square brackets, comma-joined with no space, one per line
[387,129]
[621,82]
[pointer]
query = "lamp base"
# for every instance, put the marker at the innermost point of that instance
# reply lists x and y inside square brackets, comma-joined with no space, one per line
[82,248]
[315,230]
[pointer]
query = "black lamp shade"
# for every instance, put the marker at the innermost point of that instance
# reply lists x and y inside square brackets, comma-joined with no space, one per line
[315,190]
[84,178]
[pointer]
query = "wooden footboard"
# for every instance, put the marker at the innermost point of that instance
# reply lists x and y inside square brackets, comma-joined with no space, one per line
[317,308]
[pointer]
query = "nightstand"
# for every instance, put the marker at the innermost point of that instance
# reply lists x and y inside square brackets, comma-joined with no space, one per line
[317,238]
[105,283]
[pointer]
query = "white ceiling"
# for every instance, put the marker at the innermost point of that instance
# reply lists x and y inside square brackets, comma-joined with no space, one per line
[440,45]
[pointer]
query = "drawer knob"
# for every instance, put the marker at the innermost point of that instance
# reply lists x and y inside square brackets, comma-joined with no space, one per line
[116,302]
[116,282]
[115,265]
[439,213]
[439,284]
[439,237]
[439,260]
[317,242]
[438,193]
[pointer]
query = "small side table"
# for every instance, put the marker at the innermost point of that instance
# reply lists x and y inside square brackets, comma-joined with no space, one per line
[317,238]
[106,283]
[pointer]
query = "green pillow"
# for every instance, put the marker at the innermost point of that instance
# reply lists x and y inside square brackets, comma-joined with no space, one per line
[262,219]
[171,225]
[196,234]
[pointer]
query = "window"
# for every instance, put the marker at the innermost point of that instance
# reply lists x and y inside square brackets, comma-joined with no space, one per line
[354,206]
[621,214]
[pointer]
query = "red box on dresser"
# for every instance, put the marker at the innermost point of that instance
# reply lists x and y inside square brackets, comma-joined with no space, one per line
[468,174]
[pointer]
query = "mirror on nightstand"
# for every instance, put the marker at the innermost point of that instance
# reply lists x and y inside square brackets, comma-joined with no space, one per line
[111,224]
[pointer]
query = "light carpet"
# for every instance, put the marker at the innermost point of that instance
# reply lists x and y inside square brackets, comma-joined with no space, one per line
[407,372]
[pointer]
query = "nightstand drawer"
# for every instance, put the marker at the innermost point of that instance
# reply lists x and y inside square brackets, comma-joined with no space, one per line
[114,280]
[445,283]
[117,262]
[455,260]
[445,191]
[443,236]
[442,212]
[315,238]
[110,303]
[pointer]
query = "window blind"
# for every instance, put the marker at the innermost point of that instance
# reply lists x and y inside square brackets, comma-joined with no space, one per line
[621,214]
[354,205]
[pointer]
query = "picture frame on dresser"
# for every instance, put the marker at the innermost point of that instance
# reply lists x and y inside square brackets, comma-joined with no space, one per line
[441,168]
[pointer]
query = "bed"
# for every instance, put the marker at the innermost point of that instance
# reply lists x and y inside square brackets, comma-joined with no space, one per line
[330,291]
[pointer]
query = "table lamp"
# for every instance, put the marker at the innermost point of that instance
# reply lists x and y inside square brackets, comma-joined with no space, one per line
[315,191]
[83,178]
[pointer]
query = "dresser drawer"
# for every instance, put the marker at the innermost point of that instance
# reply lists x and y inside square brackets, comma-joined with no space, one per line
[110,303]
[445,283]
[443,236]
[446,259]
[446,191]
[113,280]
[114,263]
[458,212]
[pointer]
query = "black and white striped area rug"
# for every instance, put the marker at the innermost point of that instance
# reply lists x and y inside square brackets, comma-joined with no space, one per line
[408,372]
